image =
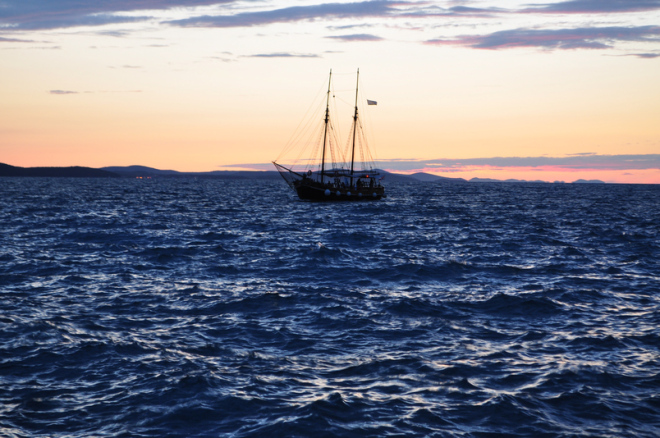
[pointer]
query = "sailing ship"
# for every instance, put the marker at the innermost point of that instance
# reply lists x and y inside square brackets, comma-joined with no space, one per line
[337,175]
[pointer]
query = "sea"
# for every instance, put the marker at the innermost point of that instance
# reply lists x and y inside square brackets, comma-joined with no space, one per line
[229,308]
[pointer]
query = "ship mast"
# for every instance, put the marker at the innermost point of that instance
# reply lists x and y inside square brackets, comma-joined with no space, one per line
[325,132]
[355,121]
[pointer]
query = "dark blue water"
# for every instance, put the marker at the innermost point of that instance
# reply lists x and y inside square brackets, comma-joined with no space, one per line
[186,308]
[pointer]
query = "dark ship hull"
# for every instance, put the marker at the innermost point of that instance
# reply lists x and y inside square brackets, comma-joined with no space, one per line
[313,191]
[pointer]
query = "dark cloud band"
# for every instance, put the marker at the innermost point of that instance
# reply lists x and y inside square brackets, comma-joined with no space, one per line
[57,14]
[376,8]
[26,15]
[356,37]
[575,162]
[595,6]
[580,38]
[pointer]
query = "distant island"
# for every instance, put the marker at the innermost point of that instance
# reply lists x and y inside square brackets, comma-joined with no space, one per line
[56,172]
[149,172]
[588,181]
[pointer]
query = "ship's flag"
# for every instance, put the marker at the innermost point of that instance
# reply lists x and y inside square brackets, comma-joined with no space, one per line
[371,102]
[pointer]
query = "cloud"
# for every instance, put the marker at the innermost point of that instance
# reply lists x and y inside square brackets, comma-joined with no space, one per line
[376,8]
[357,37]
[456,11]
[113,33]
[126,66]
[35,48]
[580,38]
[283,55]
[65,92]
[75,21]
[595,6]
[573,162]
[22,15]
[646,55]
[27,15]
[55,14]
[350,26]
[15,40]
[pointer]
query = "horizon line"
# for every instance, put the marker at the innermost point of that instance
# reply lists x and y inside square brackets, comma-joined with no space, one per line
[389,171]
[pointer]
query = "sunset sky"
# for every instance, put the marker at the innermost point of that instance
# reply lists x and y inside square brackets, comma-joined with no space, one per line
[549,90]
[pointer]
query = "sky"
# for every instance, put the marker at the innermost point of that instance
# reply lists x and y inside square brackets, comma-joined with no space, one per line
[536,90]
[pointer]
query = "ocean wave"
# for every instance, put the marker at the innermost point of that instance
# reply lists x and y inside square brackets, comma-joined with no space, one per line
[200,308]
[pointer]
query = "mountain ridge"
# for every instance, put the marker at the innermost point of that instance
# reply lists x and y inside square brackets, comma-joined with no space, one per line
[139,171]
[56,172]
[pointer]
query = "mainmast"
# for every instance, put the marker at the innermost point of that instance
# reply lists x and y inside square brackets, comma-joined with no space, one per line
[355,121]
[325,132]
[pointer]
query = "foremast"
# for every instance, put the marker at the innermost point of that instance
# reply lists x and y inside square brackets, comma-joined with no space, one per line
[325,131]
[355,122]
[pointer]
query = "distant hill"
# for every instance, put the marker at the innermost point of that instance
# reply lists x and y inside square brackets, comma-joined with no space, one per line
[55,172]
[135,171]
[507,180]
[395,177]
[588,181]
[579,181]
[428,177]
[417,177]
[150,172]
[485,180]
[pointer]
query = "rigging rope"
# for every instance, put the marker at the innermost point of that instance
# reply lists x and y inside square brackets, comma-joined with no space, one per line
[308,136]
